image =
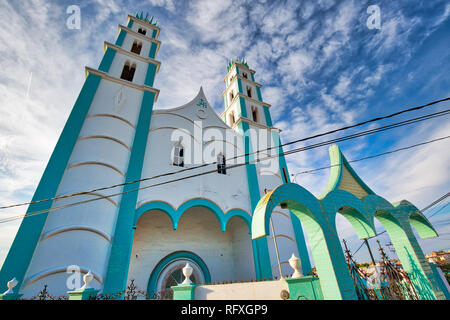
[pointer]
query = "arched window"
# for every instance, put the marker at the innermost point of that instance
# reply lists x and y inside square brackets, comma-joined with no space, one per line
[136,48]
[244,74]
[221,164]
[178,155]
[231,117]
[128,71]
[249,92]
[142,31]
[255,114]
[231,96]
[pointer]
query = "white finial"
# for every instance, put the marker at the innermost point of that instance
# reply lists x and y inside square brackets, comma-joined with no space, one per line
[187,272]
[11,284]
[294,262]
[87,278]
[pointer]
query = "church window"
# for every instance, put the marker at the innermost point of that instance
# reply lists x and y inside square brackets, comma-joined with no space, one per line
[231,96]
[142,31]
[178,155]
[255,114]
[232,120]
[285,176]
[128,71]
[221,164]
[244,74]
[249,92]
[136,48]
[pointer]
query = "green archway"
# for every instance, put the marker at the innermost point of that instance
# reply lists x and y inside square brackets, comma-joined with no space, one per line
[326,249]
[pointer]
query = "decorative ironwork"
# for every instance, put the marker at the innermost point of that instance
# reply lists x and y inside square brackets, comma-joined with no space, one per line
[45,295]
[390,283]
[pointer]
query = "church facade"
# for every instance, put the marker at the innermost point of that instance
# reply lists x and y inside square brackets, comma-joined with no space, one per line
[136,193]
[113,136]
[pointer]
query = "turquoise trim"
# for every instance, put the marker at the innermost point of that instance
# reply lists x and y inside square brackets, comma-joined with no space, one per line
[440,281]
[239,82]
[268,117]
[152,52]
[130,24]
[121,38]
[27,237]
[258,92]
[150,76]
[154,33]
[253,77]
[296,223]
[260,249]
[175,214]
[119,259]
[179,255]
[107,60]
[243,107]
[237,70]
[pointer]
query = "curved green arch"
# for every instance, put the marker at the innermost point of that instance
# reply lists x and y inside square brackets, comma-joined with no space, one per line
[325,246]
[418,220]
[352,208]
[178,255]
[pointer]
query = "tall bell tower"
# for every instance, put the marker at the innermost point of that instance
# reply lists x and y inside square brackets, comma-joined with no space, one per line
[102,144]
[247,113]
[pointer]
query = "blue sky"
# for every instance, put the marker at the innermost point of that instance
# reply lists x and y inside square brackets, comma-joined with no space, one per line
[320,66]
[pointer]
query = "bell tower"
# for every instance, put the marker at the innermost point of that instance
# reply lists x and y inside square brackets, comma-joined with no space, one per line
[102,144]
[242,97]
[247,113]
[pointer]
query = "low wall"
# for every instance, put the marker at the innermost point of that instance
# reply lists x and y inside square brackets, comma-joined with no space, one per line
[264,290]
[304,288]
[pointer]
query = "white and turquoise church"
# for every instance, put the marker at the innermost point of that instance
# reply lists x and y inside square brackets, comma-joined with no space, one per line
[188,189]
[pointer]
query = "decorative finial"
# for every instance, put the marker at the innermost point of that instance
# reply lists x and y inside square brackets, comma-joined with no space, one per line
[11,284]
[87,278]
[187,272]
[294,262]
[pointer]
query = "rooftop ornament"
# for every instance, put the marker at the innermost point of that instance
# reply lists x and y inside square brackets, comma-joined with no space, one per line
[237,60]
[140,16]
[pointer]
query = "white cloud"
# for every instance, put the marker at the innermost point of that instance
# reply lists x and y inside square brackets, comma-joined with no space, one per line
[167,4]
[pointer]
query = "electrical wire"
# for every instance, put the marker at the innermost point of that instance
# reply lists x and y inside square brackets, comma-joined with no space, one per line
[352,136]
[30,214]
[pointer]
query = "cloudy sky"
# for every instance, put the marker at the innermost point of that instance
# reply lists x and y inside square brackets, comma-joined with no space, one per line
[321,67]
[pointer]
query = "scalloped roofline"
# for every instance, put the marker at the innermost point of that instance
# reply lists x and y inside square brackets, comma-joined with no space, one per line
[200,94]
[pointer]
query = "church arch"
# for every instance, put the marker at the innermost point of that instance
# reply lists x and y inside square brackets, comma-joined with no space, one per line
[169,259]
[395,219]
[175,214]
[352,208]
[327,252]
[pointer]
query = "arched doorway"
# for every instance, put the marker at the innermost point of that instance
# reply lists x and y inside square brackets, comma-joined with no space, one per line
[168,272]
[219,244]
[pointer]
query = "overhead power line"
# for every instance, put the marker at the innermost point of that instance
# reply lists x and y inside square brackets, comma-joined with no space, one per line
[442,208]
[180,179]
[352,136]
[445,196]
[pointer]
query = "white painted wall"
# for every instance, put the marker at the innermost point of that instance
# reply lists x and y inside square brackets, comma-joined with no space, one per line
[198,232]
[227,191]
[267,290]
[75,245]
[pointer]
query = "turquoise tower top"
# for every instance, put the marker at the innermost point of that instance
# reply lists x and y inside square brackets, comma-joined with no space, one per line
[237,60]
[140,16]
